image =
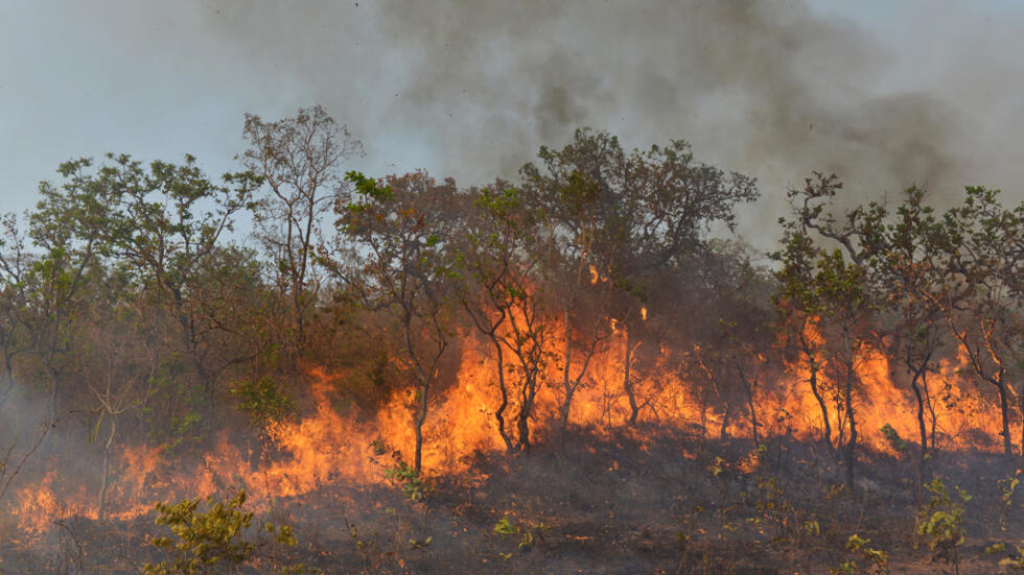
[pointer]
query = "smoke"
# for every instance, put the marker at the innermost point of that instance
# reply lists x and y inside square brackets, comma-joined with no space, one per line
[772,89]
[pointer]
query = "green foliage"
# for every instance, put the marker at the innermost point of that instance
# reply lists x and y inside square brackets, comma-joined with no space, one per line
[186,431]
[997,548]
[265,401]
[368,187]
[413,485]
[1015,561]
[212,541]
[846,567]
[1007,486]
[894,440]
[505,527]
[415,544]
[942,522]
[878,557]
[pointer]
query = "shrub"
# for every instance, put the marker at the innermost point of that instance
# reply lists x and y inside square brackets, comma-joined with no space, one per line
[413,485]
[942,523]
[212,541]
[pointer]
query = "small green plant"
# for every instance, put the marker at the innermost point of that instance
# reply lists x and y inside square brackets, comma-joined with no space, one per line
[846,567]
[1007,486]
[416,544]
[413,485]
[942,523]
[997,548]
[893,438]
[878,557]
[1015,561]
[505,527]
[212,541]
[186,432]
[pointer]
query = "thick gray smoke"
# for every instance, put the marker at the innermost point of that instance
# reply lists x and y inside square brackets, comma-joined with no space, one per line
[772,89]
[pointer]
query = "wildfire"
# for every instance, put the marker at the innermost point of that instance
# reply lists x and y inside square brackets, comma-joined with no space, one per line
[331,445]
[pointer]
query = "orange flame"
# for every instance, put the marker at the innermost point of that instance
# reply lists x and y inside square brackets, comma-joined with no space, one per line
[330,445]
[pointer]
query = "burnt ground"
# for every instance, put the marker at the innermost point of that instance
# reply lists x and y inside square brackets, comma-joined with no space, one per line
[595,505]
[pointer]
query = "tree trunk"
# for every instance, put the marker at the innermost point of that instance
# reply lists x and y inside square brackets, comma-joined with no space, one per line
[634,408]
[851,443]
[525,408]
[8,378]
[54,388]
[932,416]
[723,432]
[106,470]
[750,406]
[564,422]
[922,429]
[524,430]
[421,417]
[821,402]
[567,385]
[703,419]
[1021,397]
[1004,409]
[499,414]
[849,451]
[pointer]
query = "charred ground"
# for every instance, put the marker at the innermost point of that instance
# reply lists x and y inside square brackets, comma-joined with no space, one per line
[599,506]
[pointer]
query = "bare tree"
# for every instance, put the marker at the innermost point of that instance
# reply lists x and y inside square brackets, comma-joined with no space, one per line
[300,160]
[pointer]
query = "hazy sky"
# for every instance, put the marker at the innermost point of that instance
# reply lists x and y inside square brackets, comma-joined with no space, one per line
[885,94]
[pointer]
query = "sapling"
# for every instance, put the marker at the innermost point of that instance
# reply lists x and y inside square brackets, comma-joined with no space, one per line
[878,557]
[413,485]
[1006,486]
[942,523]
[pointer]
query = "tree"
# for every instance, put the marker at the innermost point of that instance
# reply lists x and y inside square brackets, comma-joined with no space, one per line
[904,259]
[300,162]
[622,217]
[501,294]
[831,289]
[744,322]
[163,223]
[115,397]
[982,264]
[396,258]
[67,230]
[798,316]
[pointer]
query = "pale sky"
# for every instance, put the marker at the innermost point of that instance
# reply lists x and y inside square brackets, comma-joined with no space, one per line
[886,94]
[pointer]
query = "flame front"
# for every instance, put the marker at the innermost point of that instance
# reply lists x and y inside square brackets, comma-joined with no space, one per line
[331,445]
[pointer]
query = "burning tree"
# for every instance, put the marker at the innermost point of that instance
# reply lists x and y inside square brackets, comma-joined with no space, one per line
[830,290]
[614,221]
[798,315]
[981,299]
[904,256]
[398,261]
[501,295]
